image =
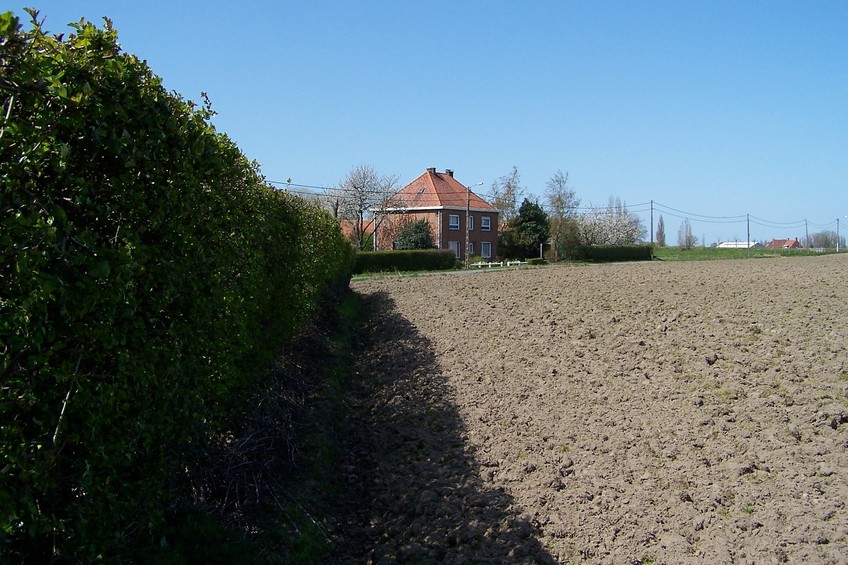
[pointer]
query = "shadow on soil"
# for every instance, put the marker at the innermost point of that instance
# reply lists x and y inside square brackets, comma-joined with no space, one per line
[413,490]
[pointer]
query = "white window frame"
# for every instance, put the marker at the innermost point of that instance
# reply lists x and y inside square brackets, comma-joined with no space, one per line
[470,248]
[470,223]
[486,249]
[456,247]
[451,225]
[485,223]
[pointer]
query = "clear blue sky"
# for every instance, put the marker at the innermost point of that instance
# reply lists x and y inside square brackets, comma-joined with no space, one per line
[712,108]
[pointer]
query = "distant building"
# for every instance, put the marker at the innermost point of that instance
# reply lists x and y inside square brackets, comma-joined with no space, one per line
[739,245]
[784,244]
[444,202]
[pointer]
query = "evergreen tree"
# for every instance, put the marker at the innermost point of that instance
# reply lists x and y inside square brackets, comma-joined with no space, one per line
[525,233]
[415,235]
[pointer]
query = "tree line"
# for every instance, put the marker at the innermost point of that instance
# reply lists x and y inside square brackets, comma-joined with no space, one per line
[826,239]
[557,222]
[528,227]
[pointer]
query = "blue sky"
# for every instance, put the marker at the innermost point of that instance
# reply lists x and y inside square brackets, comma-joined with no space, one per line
[714,109]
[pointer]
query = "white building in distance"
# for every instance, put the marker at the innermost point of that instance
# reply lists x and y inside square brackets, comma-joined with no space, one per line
[739,245]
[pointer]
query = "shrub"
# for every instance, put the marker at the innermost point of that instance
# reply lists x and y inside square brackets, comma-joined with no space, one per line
[149,277]
[536,261]
[415,235]
[411,260]
[609,253]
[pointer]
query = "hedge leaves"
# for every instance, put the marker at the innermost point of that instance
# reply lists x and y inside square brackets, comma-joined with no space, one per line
[147,275]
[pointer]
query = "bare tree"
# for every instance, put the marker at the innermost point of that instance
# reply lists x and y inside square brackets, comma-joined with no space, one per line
[562,206]
[825,239]
[661,232]
[358,195]
[331,200]
[320,197]
[685,239]
[506,192]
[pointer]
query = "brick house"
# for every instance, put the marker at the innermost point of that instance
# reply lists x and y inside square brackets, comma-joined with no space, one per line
[350,231]
[444,202]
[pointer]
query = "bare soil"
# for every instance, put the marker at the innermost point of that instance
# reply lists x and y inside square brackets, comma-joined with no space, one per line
[655,412]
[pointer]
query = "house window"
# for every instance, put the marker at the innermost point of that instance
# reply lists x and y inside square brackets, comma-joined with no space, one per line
[455,247]
[486,249]
[470,223]
[453,221]
[486,223]
[471,248]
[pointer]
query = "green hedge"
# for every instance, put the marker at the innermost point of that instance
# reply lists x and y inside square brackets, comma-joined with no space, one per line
[411,260]
[149,277]
[609,253]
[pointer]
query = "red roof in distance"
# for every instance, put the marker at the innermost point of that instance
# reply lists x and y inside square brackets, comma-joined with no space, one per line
[783,244]
[437,190]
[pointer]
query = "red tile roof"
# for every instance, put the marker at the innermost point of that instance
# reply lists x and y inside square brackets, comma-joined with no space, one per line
[434,190]
[783,244]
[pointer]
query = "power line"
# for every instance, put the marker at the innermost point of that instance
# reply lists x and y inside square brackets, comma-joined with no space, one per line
[289,183]
[827,225]
[693,214]
[703,219]
[345,194]
[778,224]
[334,189]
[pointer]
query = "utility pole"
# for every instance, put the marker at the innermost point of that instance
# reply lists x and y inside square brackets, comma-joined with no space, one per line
[652,223]
[748,240]
[467,216]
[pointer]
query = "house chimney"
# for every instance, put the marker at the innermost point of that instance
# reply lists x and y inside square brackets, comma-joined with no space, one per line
[449,173]
[431,169]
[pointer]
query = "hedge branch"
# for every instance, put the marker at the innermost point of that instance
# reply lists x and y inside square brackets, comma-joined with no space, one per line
[65,402]
[8,113]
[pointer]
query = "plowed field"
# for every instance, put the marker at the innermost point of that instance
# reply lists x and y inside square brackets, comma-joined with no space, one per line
[625,413]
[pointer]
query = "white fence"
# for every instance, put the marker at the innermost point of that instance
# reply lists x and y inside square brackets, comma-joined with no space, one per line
[481,264]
